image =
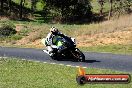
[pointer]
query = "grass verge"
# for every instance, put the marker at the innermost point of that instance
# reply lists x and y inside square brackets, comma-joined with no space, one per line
[115,49]
[16,73]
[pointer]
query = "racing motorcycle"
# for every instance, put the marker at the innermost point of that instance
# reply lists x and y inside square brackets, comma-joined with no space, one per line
[65,47]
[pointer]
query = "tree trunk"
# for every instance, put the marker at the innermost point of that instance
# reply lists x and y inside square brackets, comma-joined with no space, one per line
[33,6]
[101,9]
[110,11]
[101,2]
[21,6]
[10,5]
[1,4]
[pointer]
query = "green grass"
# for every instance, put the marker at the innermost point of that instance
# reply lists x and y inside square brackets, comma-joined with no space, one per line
[11,38]
[14,37]
[116,49]
[16,73]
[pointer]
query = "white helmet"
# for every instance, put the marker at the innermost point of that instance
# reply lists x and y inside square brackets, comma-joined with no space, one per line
[53,30]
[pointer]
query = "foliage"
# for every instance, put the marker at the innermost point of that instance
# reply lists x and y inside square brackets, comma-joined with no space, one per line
[63,10]
[7,30]
[24,32]
[122,6]
[39,6]
[16,37]
[70,8]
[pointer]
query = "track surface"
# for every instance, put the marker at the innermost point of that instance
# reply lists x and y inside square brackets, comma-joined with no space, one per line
[95,60]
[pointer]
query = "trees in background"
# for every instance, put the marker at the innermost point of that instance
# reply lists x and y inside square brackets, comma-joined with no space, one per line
[33,5]
[2,4]
[118,7]
[111,7]
[10,5]
[101,2]
[21,8]
[123,6]
[69,8]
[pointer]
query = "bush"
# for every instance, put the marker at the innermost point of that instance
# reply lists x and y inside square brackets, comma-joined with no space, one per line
[7,30]
[24,32]
[16,37]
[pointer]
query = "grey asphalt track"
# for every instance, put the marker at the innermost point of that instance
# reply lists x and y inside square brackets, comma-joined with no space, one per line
[95,60]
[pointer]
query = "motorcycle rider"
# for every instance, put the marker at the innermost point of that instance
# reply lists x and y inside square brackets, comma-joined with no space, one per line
[49,41]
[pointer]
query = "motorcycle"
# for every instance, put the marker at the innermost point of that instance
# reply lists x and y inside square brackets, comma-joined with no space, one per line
[65,47]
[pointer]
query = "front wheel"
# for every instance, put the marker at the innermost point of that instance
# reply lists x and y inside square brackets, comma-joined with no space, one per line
[78,55]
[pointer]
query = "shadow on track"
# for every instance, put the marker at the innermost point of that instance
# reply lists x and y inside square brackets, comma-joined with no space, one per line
[91,61]
[72,60]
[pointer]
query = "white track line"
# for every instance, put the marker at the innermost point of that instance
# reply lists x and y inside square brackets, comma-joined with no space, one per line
[3,57]
[24,59]
[77,66]
[84,67]
[37,61]
[68,65]
[51,63]
[60,64]
[73,66]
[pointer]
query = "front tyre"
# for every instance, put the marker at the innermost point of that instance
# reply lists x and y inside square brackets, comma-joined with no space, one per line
[78,55]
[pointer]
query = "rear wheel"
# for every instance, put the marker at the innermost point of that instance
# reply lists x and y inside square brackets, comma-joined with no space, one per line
[78,55]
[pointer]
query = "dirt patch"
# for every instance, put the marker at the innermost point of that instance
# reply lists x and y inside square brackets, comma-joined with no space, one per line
[32,40]
[4,18]
[37,43]
[118,37]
